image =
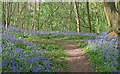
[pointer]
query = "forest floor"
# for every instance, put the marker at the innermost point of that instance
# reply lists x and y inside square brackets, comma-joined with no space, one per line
[77,60]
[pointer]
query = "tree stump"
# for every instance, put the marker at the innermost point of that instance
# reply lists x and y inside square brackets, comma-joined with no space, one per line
[113,34]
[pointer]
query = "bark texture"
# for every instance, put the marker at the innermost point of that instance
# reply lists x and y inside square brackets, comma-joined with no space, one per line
[77,16]
[113,16]
[89,22]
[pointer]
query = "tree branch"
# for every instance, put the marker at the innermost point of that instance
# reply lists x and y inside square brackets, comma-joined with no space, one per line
[50,15]
[13,10]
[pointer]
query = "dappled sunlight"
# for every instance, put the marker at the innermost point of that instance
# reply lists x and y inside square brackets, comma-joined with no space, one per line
[76,57]
[60,36]
[82,64]
[75,52]
[50,51]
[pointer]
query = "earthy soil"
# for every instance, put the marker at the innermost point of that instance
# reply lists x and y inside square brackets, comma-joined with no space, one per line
[76,57]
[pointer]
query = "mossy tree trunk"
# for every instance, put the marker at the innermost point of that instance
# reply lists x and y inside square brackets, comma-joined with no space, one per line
[113,16]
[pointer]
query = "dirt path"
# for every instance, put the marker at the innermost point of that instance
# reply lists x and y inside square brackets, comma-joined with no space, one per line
[77,59]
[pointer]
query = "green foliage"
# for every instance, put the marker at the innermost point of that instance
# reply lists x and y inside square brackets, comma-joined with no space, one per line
[27,54]
[101,55]
[60,21]
[82,44]
[46,36]
[53,35]
[71,36]
[57,51]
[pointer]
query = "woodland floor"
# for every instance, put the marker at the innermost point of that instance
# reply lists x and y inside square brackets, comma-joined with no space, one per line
[77,60]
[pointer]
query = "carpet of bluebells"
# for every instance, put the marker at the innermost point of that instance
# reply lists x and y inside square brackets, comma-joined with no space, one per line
[33,34]
[103,53]
[19,55]
[26,56]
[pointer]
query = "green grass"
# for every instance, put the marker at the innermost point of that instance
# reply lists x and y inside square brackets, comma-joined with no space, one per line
[79,36]
[54,50]
[46,36]
[49,35]
[67,36]
[57,51]
[82,44]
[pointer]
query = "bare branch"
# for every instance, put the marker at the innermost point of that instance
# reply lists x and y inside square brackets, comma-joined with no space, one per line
[51,15]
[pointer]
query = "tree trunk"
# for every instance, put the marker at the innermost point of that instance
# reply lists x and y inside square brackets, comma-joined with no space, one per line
[107,17]
[89,22]
[70,16]
[112,15]
[7,15]
[38,16]
[33,25]
[77,16]
[10,7]
[119,22]
[51,20]
[28,18]
[16,20]
[28,13]
[118,7]
[3,14]
[24,13]
[97,23]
